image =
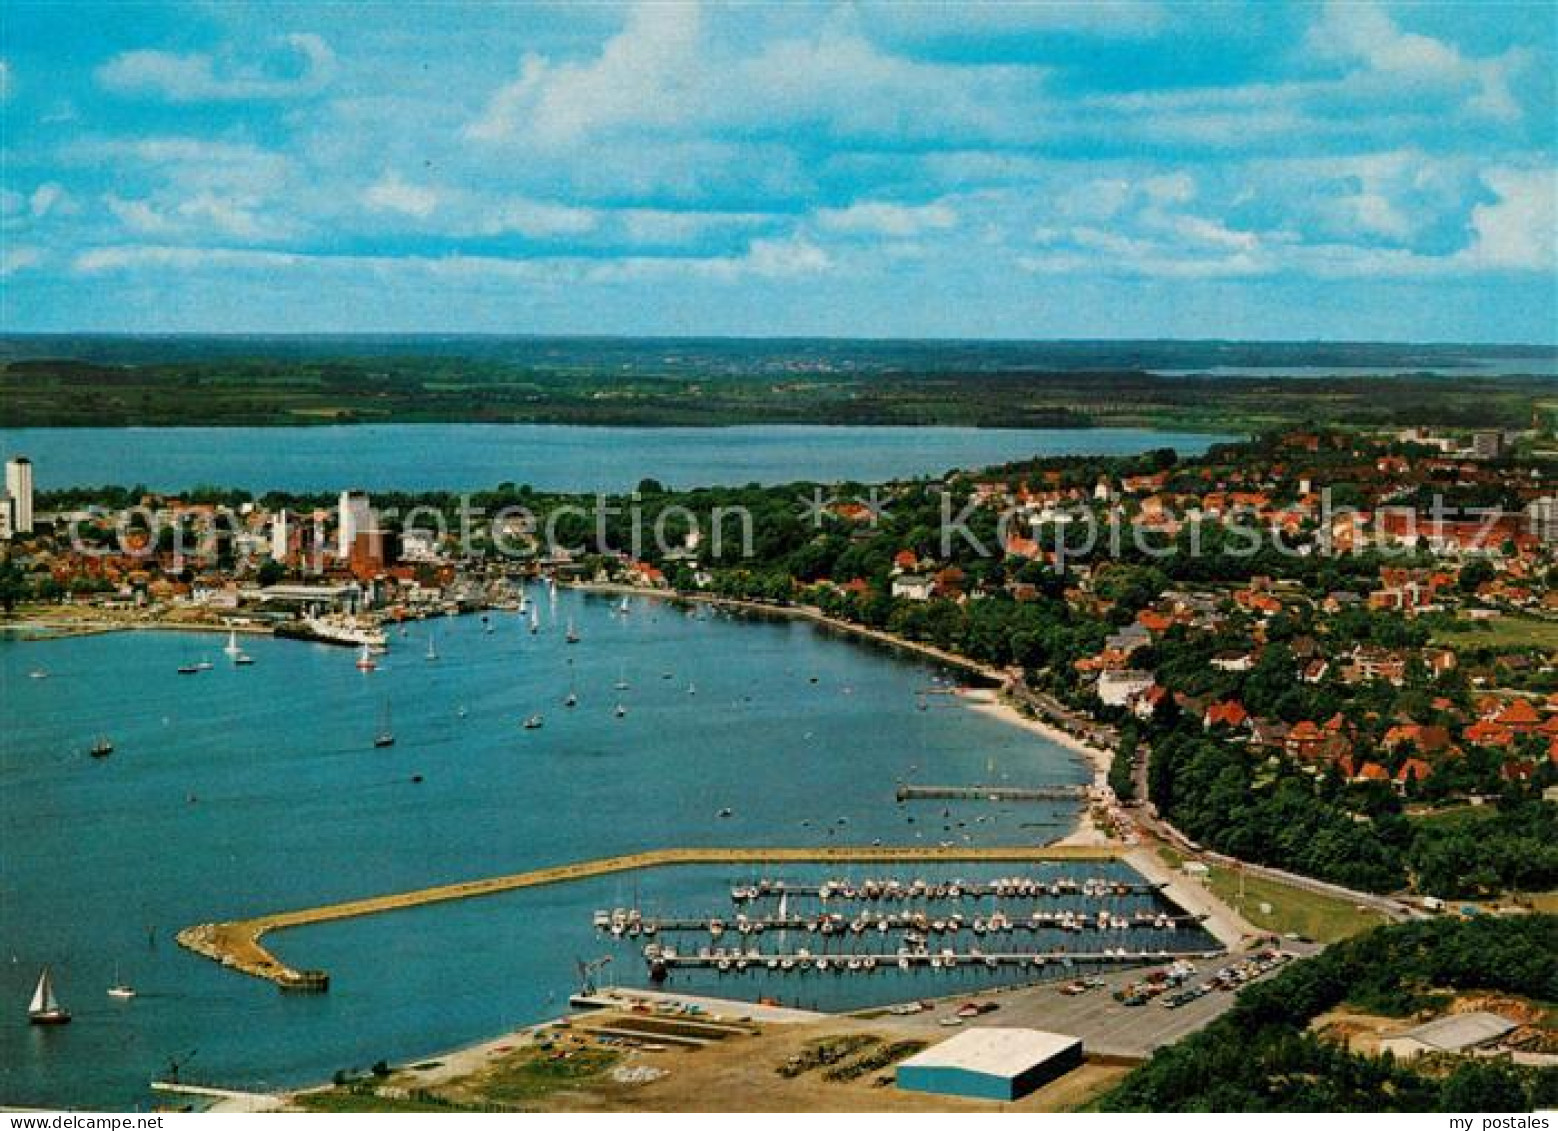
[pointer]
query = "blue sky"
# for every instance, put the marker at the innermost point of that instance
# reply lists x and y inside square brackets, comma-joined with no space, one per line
[1134,169]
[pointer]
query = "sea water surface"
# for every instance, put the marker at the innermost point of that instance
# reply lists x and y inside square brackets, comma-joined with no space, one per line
[463,457]
[242,790]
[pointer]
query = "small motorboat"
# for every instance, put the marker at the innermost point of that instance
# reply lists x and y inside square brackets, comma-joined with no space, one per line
[533,722]
[243,659]
[102,748]
[365,660]
[621,711]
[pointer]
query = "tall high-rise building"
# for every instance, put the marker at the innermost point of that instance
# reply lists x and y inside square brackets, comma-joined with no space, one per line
[281,534]
[1487,444]
[18,485]
[356,516]
[1543,518]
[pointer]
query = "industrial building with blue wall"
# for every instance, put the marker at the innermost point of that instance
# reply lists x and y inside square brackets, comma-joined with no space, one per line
[991,1063]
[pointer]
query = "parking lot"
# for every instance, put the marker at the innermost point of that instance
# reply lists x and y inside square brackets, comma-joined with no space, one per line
[1106,1026]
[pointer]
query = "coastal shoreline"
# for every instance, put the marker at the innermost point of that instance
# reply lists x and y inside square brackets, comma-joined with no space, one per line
[989,700]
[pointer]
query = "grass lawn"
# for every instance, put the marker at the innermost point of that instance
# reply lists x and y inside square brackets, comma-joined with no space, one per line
[1501,632]
[338,1100]
[529,1075]
[1294,910]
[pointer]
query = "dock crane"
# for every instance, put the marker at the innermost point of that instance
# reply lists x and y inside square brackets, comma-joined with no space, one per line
[587,969]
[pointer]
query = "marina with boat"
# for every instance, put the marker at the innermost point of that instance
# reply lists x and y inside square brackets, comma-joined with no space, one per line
[477,715]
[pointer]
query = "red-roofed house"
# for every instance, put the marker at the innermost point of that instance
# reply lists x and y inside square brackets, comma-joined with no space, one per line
[1229,714]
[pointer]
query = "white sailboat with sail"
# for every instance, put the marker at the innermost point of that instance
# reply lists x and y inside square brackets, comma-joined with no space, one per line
[45,1008]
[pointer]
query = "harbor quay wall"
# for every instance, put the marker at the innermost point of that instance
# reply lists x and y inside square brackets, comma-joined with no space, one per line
[236,943]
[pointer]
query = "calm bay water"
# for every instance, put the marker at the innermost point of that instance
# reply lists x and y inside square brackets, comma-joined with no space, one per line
[242,790]
[460,457]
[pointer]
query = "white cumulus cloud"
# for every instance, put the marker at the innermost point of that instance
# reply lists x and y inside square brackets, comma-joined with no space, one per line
[305,66]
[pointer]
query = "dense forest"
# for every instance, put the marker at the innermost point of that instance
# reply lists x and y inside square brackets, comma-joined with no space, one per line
[1261,1056]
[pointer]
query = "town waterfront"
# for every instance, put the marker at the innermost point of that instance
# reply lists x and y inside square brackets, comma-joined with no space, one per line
[465,457]
[250,789]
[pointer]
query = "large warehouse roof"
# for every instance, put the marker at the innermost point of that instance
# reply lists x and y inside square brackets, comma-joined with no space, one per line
[1460,1030]
[997,1052]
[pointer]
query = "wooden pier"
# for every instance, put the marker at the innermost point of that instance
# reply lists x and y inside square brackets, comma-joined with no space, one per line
[1093,888]
[236,944]
[992,793]
[798,961]
[840,927]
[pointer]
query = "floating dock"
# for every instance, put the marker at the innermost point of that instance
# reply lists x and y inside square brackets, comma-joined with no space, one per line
[992,793]
[837,925]
[869,890]
[799,960]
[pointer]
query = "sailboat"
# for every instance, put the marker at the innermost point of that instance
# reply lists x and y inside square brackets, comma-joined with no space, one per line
[535,621]
[622,680]
[573,634]
[432,646]
[120,990]
[232,648]
[621,711]
[45,1008]
[102,748]
[623,609]
[385,736]
[365,660]
[533,722]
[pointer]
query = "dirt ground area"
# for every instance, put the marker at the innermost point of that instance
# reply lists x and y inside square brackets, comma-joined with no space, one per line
[581,1068]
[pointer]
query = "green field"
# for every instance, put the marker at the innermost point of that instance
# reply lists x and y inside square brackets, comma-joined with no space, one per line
[1293,910]
[1501,632]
